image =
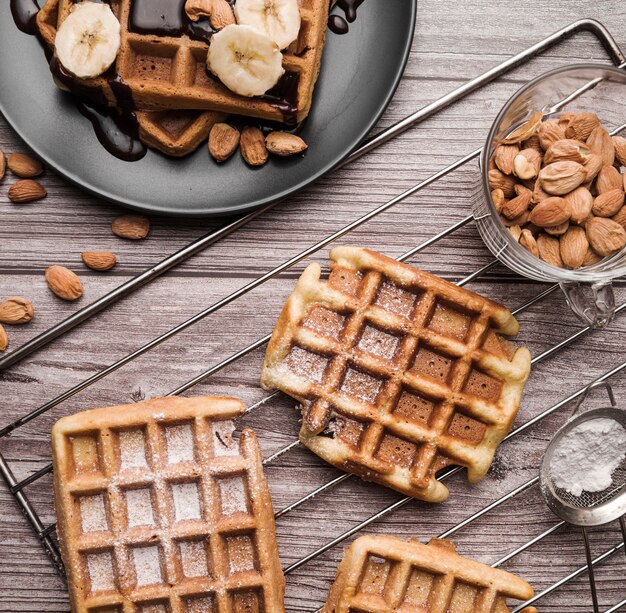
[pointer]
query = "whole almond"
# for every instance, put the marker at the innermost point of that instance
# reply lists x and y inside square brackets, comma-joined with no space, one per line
[593,165]
[619,144]
[581,125]
[522,220]
[4,339]
[525,131]
[133,227]
[284,143]
[580,204]
[609,178]
[516,206]
[557,230]
[601,143]
[223,141]
[26,190]
[516,232]
[16,310]
[63,282]
[565,119]
[573,246]
[497,196]
[252,145]
[527,240]
[99,260]
[498,180]
[560,178]
[24,166]
[567,149]
[550,212]
[221,14]
[527,163]
[532,143]
[591,258]
[620,217]
[549,132]
[608,203]
[503,157]
[549,250]
[3,164]
[605,235]
[538,194]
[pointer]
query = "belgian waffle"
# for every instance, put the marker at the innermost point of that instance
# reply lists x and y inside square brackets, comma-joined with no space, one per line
[399,372]
[175,133]
[160,511]
[384,574]
[169,72]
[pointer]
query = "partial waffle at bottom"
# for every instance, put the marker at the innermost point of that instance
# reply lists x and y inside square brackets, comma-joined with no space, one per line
[384,574]
[175,133]
[399,372]
[160,510]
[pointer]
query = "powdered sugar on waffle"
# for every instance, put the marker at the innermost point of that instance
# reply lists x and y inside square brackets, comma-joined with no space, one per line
[147,565]
[179,444]
[139,507]
[93,513]
[100,567]
[186,501]
[233,495]
[132,449]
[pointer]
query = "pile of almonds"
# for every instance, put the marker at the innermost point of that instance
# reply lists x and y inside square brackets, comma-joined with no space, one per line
[558,187]
[255,147]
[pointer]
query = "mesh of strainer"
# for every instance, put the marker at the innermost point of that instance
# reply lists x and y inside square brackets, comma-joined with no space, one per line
[589,500]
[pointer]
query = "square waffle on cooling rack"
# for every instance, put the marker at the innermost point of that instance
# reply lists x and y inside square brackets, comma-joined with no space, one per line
[160,510]
[173,132]
[399,372]
[379,574]
[169,72]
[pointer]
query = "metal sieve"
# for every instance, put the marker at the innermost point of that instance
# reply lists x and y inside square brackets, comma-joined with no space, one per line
[590,508]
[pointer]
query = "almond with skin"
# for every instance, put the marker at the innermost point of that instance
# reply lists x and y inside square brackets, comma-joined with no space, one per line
[516,206]
[573,247]
[609,178]
[593,166]
[580,204]
[527,163]
[557,230]
[504,156]
[252,145]
[601,143]
[527,240]
[516,232]
[24,166]
[550,212]
[16,310]
[284,143]
[525,131]
[619,144]
[4,339]
[591,258]
[549,132]
[608,203]
[498,180]
[567,149]
[538,194]
[532,143]
[223,141]
[63,282]
[522,220]
[133,227]
[26,190]
[497,197]
[219,12]
[560,178]
[620,217]
[581,125]
[99,260]
[549,250]
[565,119]
[3,165]
[605,236]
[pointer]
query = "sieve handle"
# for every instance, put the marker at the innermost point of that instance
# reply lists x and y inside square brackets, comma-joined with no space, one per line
[588,389]
[595,308]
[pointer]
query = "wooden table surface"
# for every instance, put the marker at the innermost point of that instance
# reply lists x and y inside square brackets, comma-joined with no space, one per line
[454,42]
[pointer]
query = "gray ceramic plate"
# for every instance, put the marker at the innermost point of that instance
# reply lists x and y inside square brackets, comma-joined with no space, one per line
[360,72]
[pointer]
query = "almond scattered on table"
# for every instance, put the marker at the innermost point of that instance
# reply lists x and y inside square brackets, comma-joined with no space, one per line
[26,190]
[4,339]
[63,282]
[24,166]
[16,310]
[285,143]
[3,164]
[99,260]
[223,141]
[252,145]
[574,172]
[133,227]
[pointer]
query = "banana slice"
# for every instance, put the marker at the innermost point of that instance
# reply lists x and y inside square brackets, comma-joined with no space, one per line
[279,19]
[88,41]
[246,61]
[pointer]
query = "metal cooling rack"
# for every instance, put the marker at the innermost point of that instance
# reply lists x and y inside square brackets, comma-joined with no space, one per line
[46,534]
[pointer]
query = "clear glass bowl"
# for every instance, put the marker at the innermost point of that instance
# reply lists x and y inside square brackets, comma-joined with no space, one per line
[583,87]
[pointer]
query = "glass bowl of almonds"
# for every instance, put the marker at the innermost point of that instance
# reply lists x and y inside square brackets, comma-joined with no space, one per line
[550,203]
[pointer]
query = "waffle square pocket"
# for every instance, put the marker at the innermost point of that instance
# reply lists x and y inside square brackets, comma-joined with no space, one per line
[160,509]
[399,372]
[385,573]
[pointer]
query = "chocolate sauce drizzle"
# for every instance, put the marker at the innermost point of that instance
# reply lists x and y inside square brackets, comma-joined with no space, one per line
[25,14]
[339,24]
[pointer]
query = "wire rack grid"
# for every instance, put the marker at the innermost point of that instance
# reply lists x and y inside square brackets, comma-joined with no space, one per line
[46,533]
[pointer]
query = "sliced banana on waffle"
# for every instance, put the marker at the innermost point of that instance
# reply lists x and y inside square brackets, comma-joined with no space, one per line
[279,19]
[247,61]
[88,41]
